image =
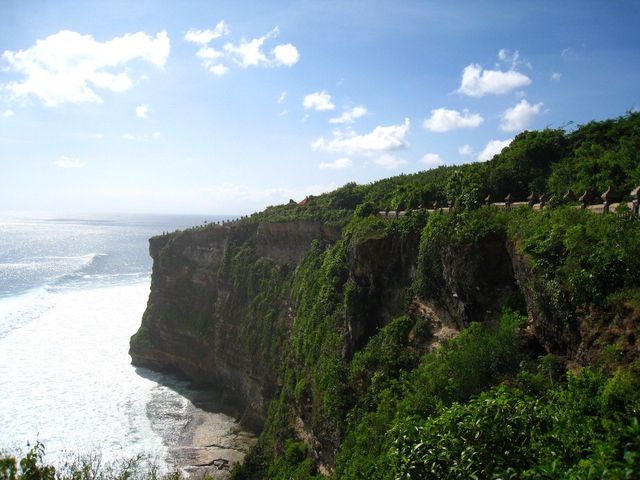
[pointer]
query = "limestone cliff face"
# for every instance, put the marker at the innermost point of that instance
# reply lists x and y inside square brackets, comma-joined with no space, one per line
[194,317]
[207,317]
[478,279]
[382,269]
[578,334]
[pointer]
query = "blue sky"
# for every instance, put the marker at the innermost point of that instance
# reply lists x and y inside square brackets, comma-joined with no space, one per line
[229,106]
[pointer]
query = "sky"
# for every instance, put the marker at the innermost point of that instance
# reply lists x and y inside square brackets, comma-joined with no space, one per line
[225,107]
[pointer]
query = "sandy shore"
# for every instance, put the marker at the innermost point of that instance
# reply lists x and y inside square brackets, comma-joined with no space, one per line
[210,443]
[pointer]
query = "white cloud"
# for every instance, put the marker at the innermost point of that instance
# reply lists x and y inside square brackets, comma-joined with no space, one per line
[8,113]
[128,136]
[350,116]
[380,139]
[520,116]
[320,101]
[245,54]
[443,120]
[218,69]
[203,37]
[338,164]
[208,53]
[68,67]
[283,112]
[567,52]
[465,150]
[142,111]
[556,76]
[477,82]
[282,97]
[492,148]
[512,58]
[503,54]
[389,162]
[432,160]
[249,53]
[286,54]
[67,162]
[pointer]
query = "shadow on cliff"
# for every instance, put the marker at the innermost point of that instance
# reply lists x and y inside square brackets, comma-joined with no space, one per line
[205,398]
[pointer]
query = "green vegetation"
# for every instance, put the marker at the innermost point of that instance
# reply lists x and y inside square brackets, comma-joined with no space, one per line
[482,405]
[590,158]
[584,429]
[31,465]
[587,258]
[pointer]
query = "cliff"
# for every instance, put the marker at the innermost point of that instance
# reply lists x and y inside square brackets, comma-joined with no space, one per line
[197,314]
[279,316]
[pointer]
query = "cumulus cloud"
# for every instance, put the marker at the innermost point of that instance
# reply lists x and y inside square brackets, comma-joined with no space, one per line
[128,136]
[320,101]
[477,82]
[204,37]
[142,111]
[244,54]
[68,67]
[338,164]
[68,162]
[465,150]
[286,54]
[350,116]
[443,120]
[208,53]
[492,148]
[432,160]
[8,113]
[282,97]
[249,53]
[389,162]
[380,139]
[520,116]
[556,76]
[218,69]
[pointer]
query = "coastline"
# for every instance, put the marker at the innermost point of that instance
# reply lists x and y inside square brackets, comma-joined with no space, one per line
[210,443]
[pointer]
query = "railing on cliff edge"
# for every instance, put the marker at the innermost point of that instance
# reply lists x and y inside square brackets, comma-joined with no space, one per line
[543,202]
[533,201]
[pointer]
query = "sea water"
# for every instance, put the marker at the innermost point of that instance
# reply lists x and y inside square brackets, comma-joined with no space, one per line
[72,292]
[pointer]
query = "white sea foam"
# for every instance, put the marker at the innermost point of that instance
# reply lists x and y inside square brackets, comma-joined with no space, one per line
[65,376]
[71,295]
[17,311]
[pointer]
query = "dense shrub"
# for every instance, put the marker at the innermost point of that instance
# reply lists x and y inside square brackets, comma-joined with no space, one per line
[576,430]
[586,257]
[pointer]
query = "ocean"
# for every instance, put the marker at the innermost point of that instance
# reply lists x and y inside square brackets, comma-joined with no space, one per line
[72,292]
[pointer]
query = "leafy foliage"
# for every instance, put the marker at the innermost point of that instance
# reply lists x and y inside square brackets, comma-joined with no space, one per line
[591,158]
[32,466]
[583,258]
[573,431]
